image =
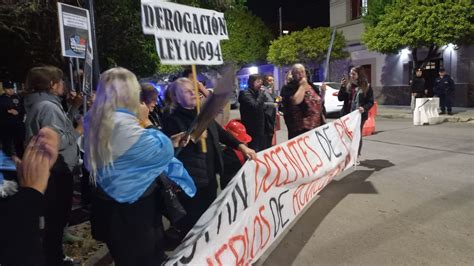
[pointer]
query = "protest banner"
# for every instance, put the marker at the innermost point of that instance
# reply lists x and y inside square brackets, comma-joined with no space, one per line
[87,77]
[74,29]
[267,194]
[184,35]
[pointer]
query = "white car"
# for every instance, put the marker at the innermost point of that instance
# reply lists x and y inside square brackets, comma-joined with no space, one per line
[332,104]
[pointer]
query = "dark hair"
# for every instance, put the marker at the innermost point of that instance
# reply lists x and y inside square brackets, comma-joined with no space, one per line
[265,79]
[252,79]
[442,69]
[147,93]
[186,73]
[362,81]
[40,79]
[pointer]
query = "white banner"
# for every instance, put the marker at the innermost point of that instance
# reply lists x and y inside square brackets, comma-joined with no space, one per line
[268,193]
[184,35]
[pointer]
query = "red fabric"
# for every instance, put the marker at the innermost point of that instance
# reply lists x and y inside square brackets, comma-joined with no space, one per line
[311,118]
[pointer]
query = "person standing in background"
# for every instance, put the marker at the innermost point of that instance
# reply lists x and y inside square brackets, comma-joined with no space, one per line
[444,89]
[12,127]
[418,89]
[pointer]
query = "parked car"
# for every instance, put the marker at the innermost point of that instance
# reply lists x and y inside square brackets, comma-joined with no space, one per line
[332,104]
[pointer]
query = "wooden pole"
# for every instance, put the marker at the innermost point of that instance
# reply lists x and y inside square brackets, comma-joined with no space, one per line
[198,104]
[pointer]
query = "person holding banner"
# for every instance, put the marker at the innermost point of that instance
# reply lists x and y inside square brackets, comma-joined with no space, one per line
[203,167]
[303,103]
[125,160]
[44,88]
[357,95]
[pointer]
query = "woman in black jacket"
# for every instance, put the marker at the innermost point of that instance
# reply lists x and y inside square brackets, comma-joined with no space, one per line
[203,167]
[357,95]
[254,104]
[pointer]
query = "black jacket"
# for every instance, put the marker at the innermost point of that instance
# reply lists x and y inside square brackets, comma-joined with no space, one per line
[287,92]
[11,102]
[365,100]
[443,85]
[196,162]
[418,85]
[252,112]
[21,243]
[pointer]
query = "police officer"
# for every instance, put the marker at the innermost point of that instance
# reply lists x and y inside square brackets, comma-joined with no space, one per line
[444,89]
[11,121]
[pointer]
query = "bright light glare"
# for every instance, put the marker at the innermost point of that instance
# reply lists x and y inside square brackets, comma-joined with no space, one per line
[286,31]
[253,70]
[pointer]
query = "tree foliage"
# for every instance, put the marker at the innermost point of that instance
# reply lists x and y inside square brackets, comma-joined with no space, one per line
[306,46]
[29,36]
[249,38]
[376,8]
[421,23]
[219,5]
[120,38]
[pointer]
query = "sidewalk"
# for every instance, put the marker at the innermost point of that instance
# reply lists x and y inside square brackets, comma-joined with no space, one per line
[460,114]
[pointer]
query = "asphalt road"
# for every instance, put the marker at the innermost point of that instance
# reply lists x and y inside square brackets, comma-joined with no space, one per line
[411,202]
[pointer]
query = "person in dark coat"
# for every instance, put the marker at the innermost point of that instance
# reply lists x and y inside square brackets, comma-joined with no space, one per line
[418,89]
[203,167]
[12,113]
[357,95]
[303,103]
[444,89]
[252,111]
[21,212]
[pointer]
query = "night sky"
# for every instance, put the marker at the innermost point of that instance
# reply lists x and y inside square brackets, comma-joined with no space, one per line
[296,14]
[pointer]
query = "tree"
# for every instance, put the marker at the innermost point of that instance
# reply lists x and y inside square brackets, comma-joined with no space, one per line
[306,46]
[120,38]
[248,37]
[421,23]
[376,8]
[29,36]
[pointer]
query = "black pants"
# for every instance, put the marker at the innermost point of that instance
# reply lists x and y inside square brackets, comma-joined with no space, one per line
[196,206]
[133,232]
[268,141]
[446,102]
[13,137]
[58,207]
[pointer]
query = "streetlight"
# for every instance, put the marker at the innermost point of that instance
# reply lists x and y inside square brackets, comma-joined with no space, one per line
[286,32]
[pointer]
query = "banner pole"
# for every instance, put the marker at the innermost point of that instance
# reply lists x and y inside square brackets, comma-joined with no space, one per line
[198,104]
[71,77]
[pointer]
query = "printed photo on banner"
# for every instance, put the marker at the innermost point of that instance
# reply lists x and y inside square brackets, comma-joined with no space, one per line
[75,30]
[268,193]
[184,35]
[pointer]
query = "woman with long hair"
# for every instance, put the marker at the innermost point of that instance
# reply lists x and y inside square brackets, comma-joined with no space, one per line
[124,160]
[357,95]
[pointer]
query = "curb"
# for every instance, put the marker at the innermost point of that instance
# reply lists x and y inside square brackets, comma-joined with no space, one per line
[453,119]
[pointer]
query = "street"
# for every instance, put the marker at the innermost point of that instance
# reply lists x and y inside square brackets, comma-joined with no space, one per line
[410,202]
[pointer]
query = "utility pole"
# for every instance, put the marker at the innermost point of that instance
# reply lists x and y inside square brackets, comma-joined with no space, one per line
[280,69]
[95,62]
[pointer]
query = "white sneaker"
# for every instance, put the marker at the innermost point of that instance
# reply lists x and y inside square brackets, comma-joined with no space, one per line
[357,162]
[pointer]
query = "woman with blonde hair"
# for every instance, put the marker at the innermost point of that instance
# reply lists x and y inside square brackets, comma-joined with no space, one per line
[124,160]
[203,167]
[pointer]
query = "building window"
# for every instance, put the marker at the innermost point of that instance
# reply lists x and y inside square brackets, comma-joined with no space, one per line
[358,8]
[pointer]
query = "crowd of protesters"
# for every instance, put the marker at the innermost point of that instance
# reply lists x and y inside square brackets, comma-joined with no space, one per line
[125,147]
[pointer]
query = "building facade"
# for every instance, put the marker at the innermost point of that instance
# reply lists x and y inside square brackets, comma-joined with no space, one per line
[390,74]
